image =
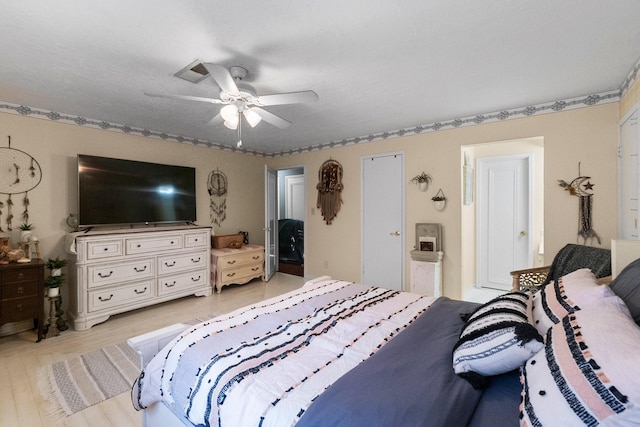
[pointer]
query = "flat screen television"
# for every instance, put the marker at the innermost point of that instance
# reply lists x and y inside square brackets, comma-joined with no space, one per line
[117,192]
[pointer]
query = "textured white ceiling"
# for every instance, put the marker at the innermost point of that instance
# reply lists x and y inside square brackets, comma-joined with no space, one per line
[377,66]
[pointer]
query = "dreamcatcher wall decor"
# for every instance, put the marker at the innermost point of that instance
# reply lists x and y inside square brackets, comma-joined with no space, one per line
[19,174]
[217,186]
[578,187]
[330,189]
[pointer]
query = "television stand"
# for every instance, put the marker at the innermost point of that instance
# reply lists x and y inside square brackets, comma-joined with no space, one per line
[118,270]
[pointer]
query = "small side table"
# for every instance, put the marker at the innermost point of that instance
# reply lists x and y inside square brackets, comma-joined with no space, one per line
[53,317]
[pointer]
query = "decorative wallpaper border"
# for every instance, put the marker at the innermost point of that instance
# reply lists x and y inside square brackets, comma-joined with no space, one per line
[516,113]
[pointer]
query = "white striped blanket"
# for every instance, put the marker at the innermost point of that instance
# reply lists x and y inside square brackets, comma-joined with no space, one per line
[265,364]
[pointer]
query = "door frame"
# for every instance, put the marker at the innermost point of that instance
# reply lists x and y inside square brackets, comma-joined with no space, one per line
[276,199]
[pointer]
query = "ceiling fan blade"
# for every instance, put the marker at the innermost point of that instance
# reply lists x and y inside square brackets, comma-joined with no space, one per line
[288,98]
[223,78]
[268,117]
[185,97]
[216,120]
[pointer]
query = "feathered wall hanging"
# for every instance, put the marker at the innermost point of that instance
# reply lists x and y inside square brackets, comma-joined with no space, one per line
[329,189]
[19,174]
[217,187]
[582,188]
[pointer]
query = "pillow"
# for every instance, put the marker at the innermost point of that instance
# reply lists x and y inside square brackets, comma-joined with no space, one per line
[496,338]
[588,372]
[627,286]
[569,293]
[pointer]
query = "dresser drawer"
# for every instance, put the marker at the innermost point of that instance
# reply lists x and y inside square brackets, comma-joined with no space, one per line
[173,263]
[145,245]
[20,309]
[240,274]
[122,295]
[181,282]
[253,257]
[20,275]
[197,240]
[100,275]
[105,249]
[19,290]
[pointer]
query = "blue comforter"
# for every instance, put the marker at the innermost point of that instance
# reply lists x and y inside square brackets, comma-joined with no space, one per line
[410,382]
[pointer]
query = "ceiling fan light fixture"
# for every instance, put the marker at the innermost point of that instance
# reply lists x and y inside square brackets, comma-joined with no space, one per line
[230,114]
[252,117]
[231,124]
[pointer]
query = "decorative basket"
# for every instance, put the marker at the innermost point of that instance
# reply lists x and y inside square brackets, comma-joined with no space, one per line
[233,241]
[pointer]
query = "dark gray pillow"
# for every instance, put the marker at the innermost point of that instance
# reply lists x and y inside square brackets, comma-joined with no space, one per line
[627,286]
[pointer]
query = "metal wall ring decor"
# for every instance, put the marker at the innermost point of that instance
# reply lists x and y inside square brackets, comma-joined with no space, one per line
[19,174]
[217,186]
[578,187]
[329,189]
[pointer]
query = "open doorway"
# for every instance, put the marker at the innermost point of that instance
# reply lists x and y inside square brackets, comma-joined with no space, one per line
[291,204]
[477,202]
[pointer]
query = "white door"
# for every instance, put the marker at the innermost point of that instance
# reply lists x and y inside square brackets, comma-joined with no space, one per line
[383,221]
[270,222]
[294,197]
[503,219]
[628,177]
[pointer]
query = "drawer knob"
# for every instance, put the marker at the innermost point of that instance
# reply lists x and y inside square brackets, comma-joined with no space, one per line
[105,299]
[106,249]
[104,276]
[256,257]
[255,269]
[140,292]
[20,290]
[197,260]
[231,274]
[170,285]
[233,261]
[169,265]
[195,279]
[20,276]
[140,270]
[19,307]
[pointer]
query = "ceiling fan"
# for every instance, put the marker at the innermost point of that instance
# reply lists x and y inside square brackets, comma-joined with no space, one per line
[238,97]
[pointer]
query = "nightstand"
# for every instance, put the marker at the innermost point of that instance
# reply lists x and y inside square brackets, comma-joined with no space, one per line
[236,266]
[22,293]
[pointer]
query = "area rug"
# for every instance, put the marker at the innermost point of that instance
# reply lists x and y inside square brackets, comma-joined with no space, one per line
[88,379]
[81,381]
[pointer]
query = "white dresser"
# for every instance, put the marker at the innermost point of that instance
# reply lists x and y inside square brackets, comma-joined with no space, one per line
[120,270]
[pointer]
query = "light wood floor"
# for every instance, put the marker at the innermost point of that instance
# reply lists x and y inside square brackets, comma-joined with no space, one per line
[21,403]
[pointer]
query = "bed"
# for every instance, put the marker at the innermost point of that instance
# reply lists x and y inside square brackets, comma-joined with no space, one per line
[336,353]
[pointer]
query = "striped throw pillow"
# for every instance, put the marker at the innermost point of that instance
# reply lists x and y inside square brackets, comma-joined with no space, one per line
[496,338]
[576,290]
[588,373]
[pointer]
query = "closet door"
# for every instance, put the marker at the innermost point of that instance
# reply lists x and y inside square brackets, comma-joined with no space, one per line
[383,221]
[628,187]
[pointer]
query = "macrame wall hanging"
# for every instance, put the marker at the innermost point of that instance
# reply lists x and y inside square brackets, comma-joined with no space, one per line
[329,189]
[19,174]
[578,187]
[217,186]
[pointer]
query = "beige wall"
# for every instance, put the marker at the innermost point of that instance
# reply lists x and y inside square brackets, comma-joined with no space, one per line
[55,146]
[586,135]
[630,98]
